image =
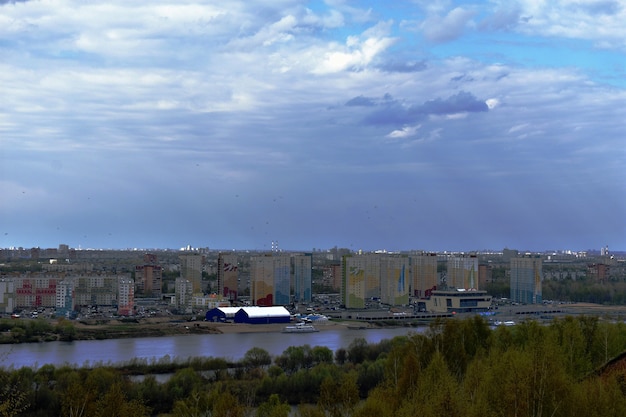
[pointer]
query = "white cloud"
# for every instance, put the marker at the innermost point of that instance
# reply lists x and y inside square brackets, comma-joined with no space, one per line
[601,21]
[405,132]
[492,103]
[357,52]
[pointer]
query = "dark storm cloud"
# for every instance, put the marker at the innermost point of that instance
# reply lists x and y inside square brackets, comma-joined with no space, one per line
[392,111]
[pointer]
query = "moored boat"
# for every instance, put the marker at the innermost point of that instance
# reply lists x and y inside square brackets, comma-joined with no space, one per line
[300,328]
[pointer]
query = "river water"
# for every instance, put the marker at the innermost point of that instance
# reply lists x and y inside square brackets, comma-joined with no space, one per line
[231,346]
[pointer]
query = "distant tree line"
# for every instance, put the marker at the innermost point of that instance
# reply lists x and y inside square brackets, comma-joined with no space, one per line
[453,368]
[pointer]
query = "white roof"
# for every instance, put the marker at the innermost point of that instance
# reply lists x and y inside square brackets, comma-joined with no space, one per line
[274,311]
[229,311]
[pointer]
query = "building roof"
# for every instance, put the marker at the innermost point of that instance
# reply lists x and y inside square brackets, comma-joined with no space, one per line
[228,311]
[275,311]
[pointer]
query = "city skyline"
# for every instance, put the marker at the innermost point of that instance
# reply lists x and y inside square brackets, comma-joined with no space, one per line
[438,126]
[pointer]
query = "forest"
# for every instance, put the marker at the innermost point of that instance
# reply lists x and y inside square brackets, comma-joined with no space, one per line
[573,366]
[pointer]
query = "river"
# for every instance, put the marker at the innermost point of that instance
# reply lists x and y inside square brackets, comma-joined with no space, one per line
[233,346]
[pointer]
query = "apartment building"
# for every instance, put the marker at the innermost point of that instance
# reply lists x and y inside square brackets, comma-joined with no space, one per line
[463,272]
[191,270]
[228,275]
[302,268]
[526,275]
[424,278]
[270,280]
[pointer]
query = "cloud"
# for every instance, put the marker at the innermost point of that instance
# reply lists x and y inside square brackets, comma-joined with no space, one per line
[405,132]
[600,21]
[117,115]
[608,7]
[503,19]
[357,52]
[402,66]
[361,101]
[394,112]
[446,28]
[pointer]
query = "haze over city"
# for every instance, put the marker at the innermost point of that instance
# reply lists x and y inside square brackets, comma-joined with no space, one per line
[435,125]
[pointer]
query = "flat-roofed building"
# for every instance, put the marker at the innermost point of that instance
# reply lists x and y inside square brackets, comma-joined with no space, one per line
[526,280]
[424,277]
[302,280]
[394,286]
[353,282]
[458,301]
[191,270]
[360,279]
[7,295]
[149,279]
[125,296]
[96,289]
[228,275]
[183,294]
[35,290]
[270,280]
[462,272]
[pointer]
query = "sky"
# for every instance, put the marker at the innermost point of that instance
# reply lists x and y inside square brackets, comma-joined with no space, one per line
[373,125]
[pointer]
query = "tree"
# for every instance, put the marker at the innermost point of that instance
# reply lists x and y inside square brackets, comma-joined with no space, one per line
[338,397]
[197,404]
[436,393]
[66,330]
[115,404]
[295,358]
[321,354]
[183,382]
[309,410]
[226,405]
[256,357]
[273,408]
[12,399]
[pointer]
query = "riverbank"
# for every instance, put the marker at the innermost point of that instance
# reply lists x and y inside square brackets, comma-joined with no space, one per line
[39,330]
[166,327]
[26,330]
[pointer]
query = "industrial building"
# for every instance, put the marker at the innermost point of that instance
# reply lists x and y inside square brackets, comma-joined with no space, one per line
[250,315]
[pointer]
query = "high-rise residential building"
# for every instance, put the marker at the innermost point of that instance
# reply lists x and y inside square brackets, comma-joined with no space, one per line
[372,275]
[424,277]
[360,279]
[183,294]
[191,270]
[599,272]
[149,277]
[334,276]
[526,280]
[394,285]
[270,280]
[228,275]
[64,298]
[125,296]
[463,272]
[7,297]
[353,281]
[302,280]
[485,275]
